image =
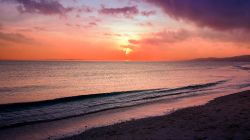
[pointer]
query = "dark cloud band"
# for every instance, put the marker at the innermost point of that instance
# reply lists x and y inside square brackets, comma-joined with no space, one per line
[216,14]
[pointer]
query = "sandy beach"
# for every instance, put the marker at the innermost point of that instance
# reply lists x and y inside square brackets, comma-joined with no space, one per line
[226,117]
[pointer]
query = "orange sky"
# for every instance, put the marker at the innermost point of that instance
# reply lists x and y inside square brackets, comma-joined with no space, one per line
[111,30]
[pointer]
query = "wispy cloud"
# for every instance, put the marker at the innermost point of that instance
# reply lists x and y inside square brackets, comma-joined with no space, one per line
[127,11]
[234,36]
[85,9]
[148,13]
[39,28]
[166,37]
[15,38]
[146,24]
[1,26]
[163,37]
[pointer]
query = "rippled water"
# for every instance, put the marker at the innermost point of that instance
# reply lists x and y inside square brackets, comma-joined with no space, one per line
[33,92]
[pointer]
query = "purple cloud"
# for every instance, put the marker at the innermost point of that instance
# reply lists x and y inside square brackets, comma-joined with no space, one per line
[85,9]
[148,13]
[46,7]
[128,11]
[216,14]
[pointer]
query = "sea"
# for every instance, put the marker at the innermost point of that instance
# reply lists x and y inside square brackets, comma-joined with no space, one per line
[36,92]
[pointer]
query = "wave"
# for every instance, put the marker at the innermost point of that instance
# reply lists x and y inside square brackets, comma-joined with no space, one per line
[24,88]
[22,105]
[243,68]
[18,114]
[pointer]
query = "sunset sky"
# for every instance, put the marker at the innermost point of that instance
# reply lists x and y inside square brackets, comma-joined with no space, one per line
[139,30]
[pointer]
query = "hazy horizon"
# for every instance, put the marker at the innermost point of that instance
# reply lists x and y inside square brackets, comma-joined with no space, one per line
[85,60]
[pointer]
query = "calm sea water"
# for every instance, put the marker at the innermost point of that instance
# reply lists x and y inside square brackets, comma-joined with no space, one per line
[33,92]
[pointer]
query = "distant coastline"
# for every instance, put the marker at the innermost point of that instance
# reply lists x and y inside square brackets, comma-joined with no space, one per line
[242,58]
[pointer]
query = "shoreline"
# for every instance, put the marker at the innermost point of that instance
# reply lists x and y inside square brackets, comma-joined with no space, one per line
[225,117]
[77,125]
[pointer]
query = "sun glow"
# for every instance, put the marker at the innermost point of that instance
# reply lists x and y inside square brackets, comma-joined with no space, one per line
[125,46]
[127,50]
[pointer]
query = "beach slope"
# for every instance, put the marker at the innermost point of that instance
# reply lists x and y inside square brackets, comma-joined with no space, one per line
[225,117]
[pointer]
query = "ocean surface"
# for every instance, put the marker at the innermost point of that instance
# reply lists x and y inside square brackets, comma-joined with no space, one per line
[33,91]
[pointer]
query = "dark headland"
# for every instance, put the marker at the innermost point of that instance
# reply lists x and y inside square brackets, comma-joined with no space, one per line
[225,117]
[242,58]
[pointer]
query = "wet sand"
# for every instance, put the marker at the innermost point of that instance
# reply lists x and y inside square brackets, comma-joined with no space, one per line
[226,117]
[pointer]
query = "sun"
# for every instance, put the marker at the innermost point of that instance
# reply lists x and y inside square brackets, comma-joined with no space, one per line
[127,50]
[124,44]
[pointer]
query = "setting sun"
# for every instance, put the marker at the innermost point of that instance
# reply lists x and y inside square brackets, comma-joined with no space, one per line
[127,50]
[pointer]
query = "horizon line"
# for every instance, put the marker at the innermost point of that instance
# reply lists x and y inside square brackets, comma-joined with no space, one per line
[84,60]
